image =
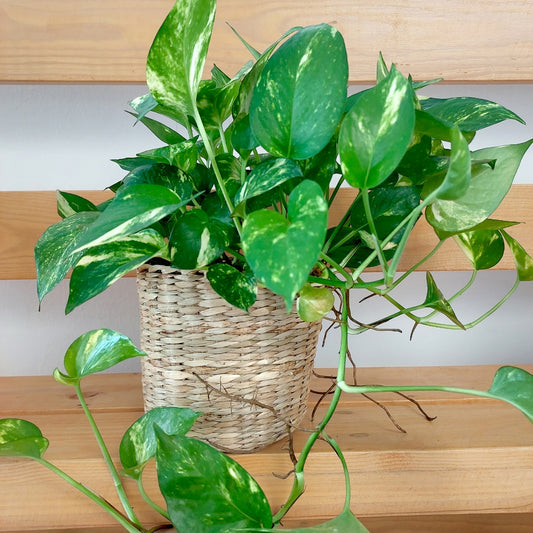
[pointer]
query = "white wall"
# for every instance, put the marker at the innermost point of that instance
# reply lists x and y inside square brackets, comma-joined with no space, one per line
[63,136]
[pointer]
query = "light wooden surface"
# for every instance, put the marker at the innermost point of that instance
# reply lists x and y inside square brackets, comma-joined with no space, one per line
[108,40]
[470,470]
[24,215]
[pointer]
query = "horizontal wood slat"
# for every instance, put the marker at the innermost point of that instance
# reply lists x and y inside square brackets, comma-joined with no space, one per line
[108,40]
[470,477]
[24,215]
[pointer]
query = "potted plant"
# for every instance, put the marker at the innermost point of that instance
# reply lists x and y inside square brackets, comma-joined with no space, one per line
[243,190]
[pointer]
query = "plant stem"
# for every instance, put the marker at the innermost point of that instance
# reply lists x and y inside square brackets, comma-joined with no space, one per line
[298,485]
[211,153]
[149,500]
[107,457]
[115,513]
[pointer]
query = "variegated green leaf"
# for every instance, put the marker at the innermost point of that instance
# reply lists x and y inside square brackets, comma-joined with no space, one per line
[300,96]
[161,131]
[236,287]
[139,443]
[205,490]
[103,265]
[266,176]
[487,189]
[469,114]
[20,438]
[177,56]
[523,261]
[182,155]
[376,131]
[68,204]
[483,248]
[95,351]
[55,250]
[132,209]
[314,303]
[282,251]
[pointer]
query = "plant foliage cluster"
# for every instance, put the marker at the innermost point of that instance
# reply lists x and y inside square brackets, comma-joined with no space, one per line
[241,187]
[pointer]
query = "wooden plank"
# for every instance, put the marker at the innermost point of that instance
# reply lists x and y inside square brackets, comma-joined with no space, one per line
[19,232]
[103,41]
[460,464]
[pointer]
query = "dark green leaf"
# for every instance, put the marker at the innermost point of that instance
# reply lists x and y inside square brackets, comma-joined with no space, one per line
[132,163]
[177,56]
[206,491]
[103,265]
[301,93]
[68,204]
[142,105]
[523,261]
[215,103]
[515,386]
[139,443]
[282,252]
[132,209]
[484,248]
[487,189]
[469,114]
[436,300]
[376,132]
[236,287]
[95,351]
[267,176]
[55,250]
[20,438]
[182,155]
[197,240]
[160,130]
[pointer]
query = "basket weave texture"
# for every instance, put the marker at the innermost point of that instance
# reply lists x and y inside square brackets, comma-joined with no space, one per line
[248,373]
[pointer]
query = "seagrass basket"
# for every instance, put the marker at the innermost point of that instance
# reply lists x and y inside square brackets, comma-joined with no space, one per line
[248,373]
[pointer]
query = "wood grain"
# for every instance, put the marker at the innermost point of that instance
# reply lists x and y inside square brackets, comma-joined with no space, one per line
[24,216]
[108,41]
[467,474]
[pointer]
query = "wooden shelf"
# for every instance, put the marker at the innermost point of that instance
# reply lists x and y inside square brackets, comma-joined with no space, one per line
[471,470]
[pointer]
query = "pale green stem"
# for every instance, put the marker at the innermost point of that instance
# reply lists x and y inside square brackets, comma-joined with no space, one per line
[298,484]
[211,153]
[115,513]
[373,231]
[149,500]
[107,457]
[223,138]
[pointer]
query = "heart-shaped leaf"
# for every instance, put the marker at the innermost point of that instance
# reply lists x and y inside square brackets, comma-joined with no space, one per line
[376,131]
[95,351]
[282,251]
[68,204]
[177,56]
[300,96]
[484,248]
[182,155]
[346,522]
[54,251]
[20,438]
[103,265]
[514,385]
[139,443]
[236,287]
[488,187]
[205,490]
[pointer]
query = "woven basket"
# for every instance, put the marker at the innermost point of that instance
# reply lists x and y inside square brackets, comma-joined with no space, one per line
[248,373]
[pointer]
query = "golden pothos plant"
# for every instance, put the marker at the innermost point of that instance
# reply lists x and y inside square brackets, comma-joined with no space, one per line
[242,187]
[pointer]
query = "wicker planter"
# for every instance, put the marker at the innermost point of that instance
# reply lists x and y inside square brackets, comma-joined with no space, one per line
[247,373]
